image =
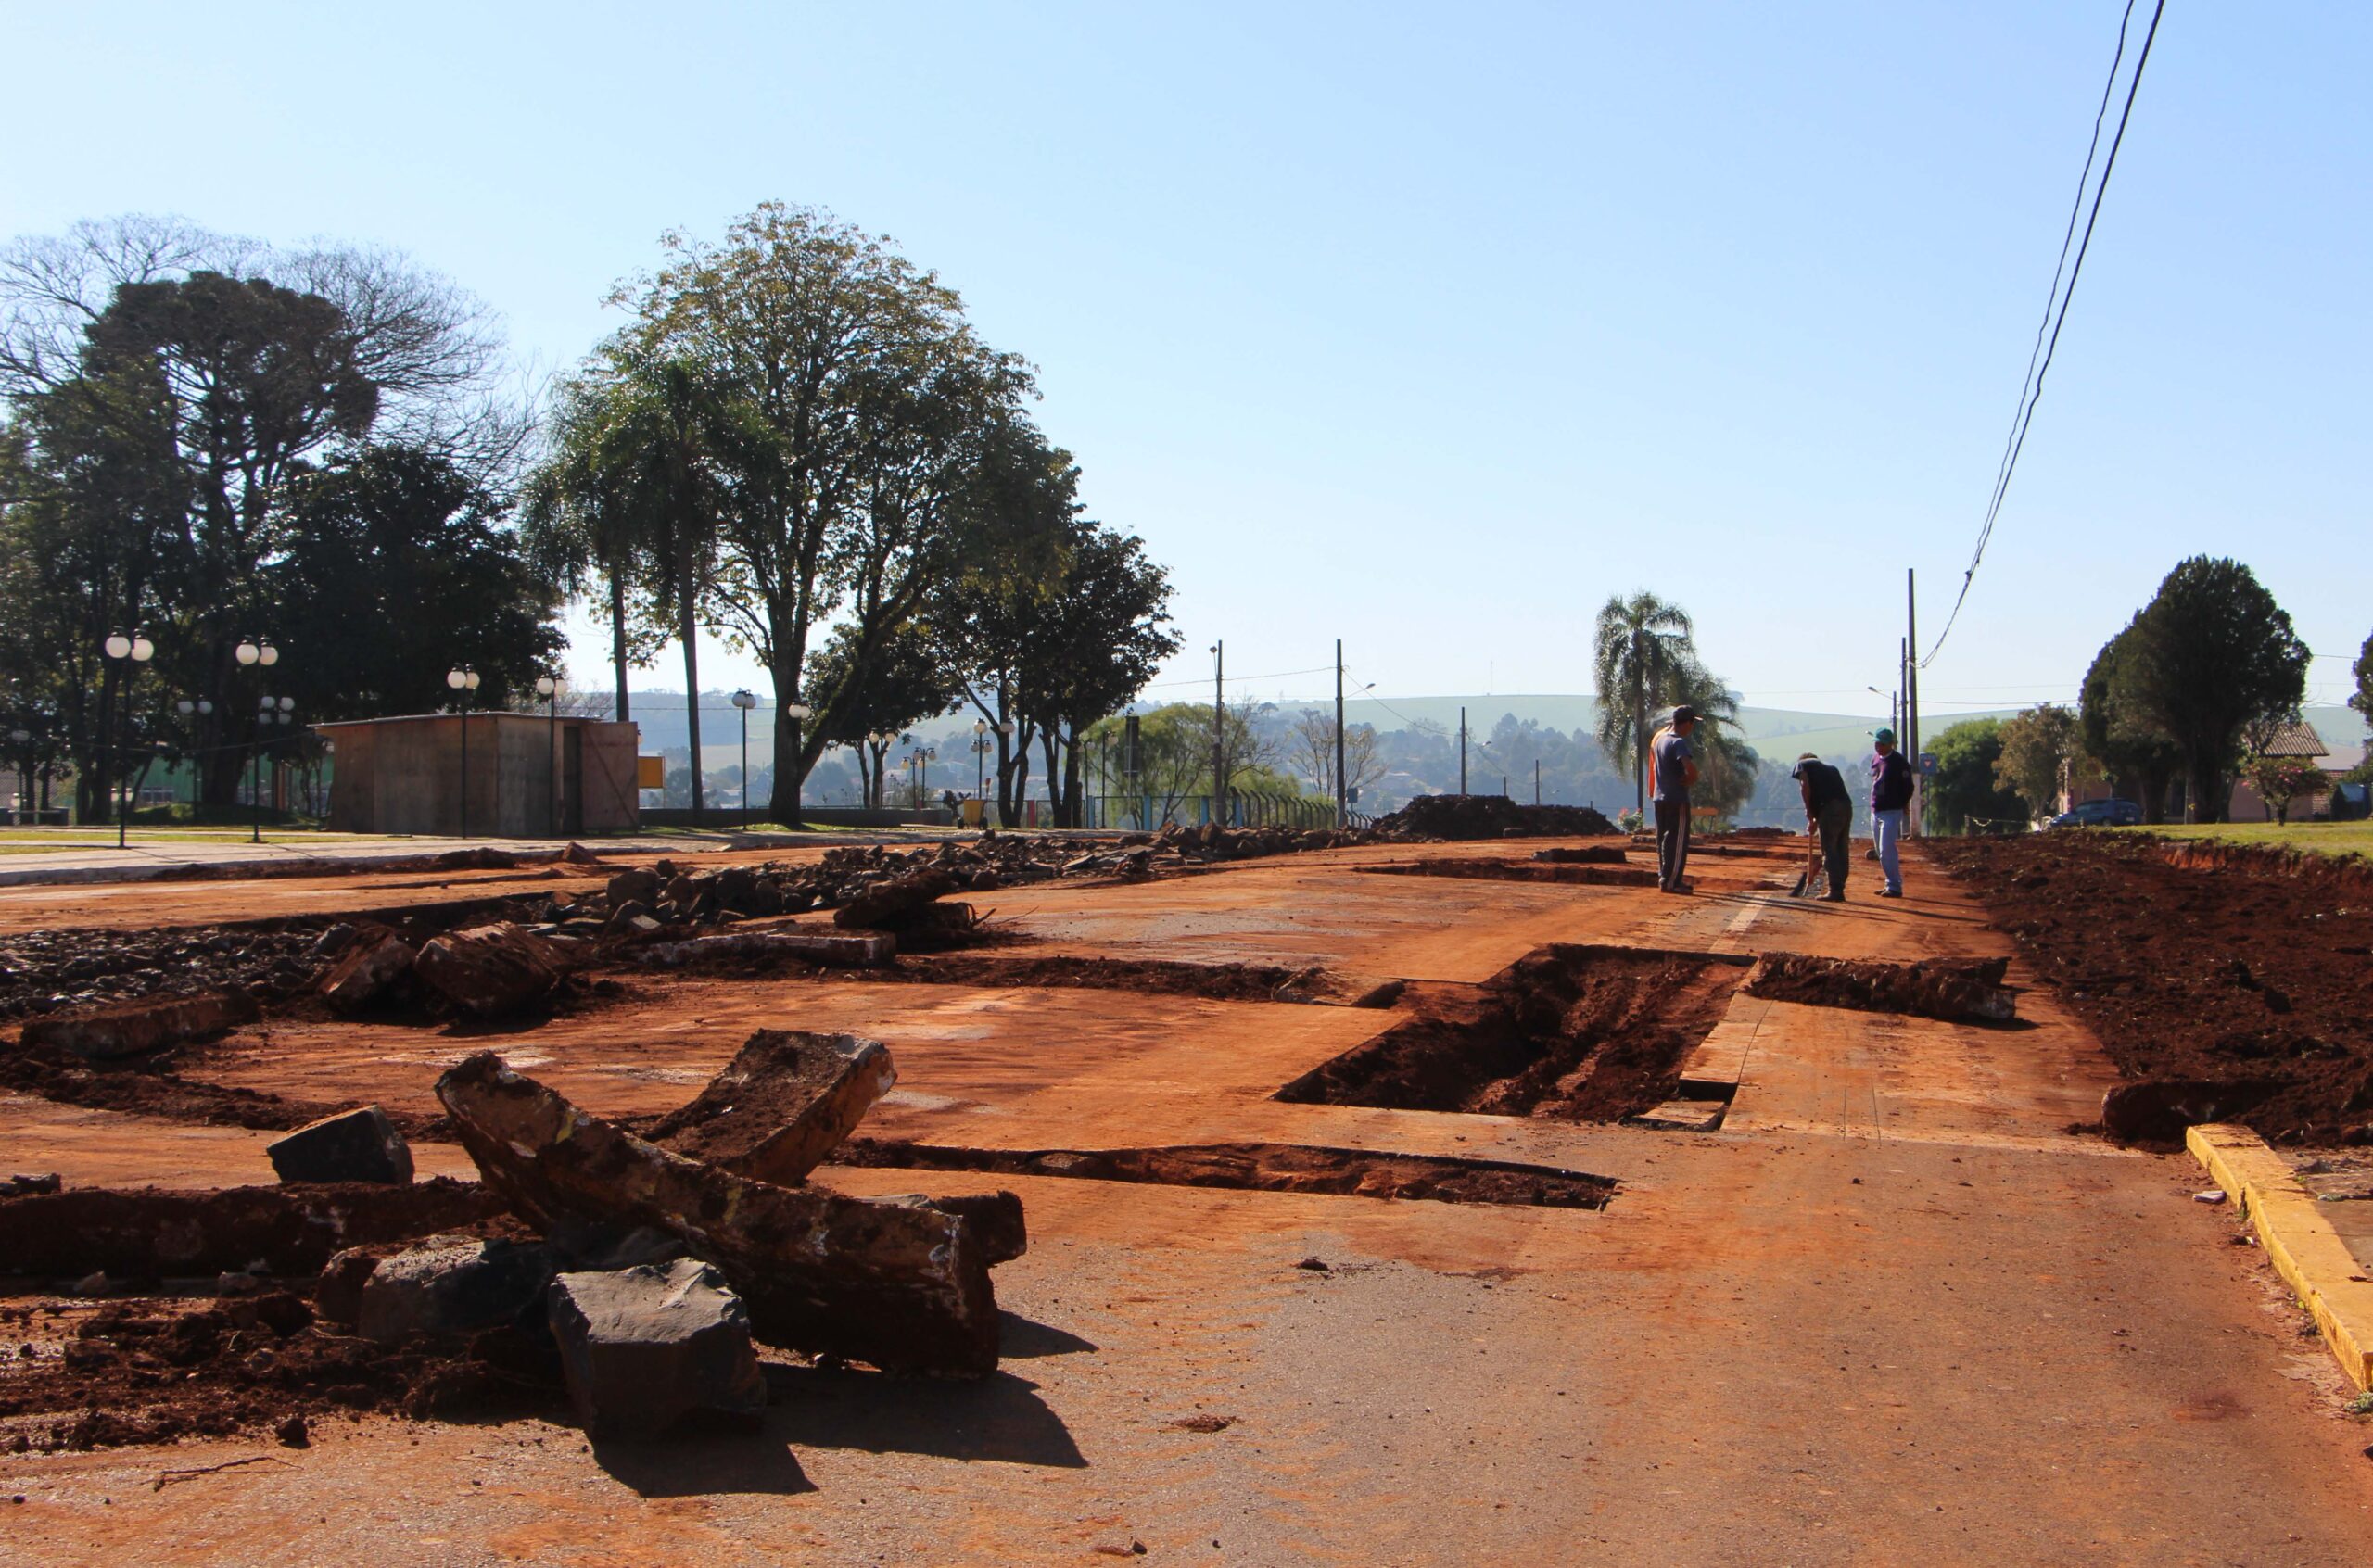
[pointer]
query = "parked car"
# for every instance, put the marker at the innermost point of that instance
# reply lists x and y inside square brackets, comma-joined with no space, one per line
[2100,814]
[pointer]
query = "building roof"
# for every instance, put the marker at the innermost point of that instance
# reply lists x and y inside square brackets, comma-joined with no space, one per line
[2295,740]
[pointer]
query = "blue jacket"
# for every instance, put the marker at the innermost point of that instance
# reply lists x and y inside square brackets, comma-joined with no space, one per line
[1890,782]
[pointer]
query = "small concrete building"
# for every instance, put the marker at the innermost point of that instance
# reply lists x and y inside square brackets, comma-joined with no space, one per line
[485,775]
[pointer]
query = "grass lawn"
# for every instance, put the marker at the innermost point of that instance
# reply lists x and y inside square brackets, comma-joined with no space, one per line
[2321,838]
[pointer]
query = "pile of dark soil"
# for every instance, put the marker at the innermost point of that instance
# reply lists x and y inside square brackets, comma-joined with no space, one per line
[1566,1033]
[1263,1167]
[1967,988]
[1489,816]
[2254,979]
[160,1369]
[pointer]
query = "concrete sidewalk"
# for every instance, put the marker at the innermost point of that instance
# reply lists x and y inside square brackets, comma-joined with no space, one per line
[295,855]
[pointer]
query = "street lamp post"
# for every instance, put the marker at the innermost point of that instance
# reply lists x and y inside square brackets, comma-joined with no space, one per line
[132,651]
[255,652]
[745,700]
[190,712]
[548,688]
[981,766]
[923,756]
[463,679]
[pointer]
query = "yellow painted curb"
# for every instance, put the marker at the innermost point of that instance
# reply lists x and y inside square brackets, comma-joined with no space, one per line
[2299,1241]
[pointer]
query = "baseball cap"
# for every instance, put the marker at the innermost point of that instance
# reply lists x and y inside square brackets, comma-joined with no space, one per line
[1685,714]
[1886,737]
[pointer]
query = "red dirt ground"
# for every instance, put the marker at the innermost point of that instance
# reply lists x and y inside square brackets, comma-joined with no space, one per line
[2251,978]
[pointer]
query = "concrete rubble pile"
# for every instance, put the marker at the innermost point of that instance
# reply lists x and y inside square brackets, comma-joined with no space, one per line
[639,1274]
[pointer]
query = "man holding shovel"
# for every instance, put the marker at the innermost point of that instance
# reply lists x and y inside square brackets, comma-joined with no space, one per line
[1829,823]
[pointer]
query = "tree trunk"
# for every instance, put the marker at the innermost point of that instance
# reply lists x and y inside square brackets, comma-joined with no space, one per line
[618,639]
[1047,742]
[685,632]
[1072,814]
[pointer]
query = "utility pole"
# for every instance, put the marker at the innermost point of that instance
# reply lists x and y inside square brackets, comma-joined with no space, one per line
[1219,730]
[1462,749]
[1342,800]
[1911,698]
[1536,780]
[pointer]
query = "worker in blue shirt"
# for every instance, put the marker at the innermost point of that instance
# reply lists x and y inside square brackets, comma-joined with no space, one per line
[1890,804]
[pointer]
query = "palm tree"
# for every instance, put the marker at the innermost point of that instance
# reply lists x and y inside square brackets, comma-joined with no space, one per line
[574,523]
[1641,648]
[630,492]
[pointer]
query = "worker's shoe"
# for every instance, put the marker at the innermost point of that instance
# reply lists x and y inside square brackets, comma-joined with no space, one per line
[1890,893]
[1833,898]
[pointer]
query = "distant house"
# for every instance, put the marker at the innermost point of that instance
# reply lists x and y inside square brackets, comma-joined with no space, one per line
[2292,741]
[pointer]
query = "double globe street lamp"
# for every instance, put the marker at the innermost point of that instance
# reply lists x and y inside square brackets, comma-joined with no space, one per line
[132,652]
[463,680]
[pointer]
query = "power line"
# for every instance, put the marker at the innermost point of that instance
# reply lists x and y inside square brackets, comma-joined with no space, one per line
[2031,389]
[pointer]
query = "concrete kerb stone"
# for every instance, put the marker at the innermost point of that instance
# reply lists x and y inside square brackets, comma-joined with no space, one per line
[2304,1249]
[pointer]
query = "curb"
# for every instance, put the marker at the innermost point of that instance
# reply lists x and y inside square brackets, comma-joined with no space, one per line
[2298,1240]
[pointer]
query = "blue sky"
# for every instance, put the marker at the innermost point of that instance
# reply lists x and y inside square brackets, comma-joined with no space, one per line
[1426,327]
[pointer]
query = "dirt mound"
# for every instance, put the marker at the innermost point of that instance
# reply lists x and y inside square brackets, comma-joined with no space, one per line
[1934,988]
[1489,816]
[158,1369]
[1566,1033]
[2244,976]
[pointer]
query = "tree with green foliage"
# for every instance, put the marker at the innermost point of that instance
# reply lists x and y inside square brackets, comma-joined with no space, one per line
[1640,654]
[907,682]
[2210,653]
[2137,758]
[2042,751]
[1964,792]
[861,406]
[394,564]
[166,387]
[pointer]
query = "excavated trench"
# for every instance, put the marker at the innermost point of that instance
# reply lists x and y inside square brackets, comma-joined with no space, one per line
[1261,1167]
[1566,1033]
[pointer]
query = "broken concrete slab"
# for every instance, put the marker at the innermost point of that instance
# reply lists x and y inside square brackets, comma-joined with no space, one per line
[847,950]
[128,1028]
[996,1219]
[896,901]
[905,1289]
[490,970]
[147,1233]
[338,1290]
[452,1285]
[356,1145]
[781,1105]
[25,1184]
[367,970]
[641,1349]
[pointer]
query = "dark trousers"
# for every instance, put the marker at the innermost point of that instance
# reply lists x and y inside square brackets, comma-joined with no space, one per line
[1837,840]
[1672,841]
